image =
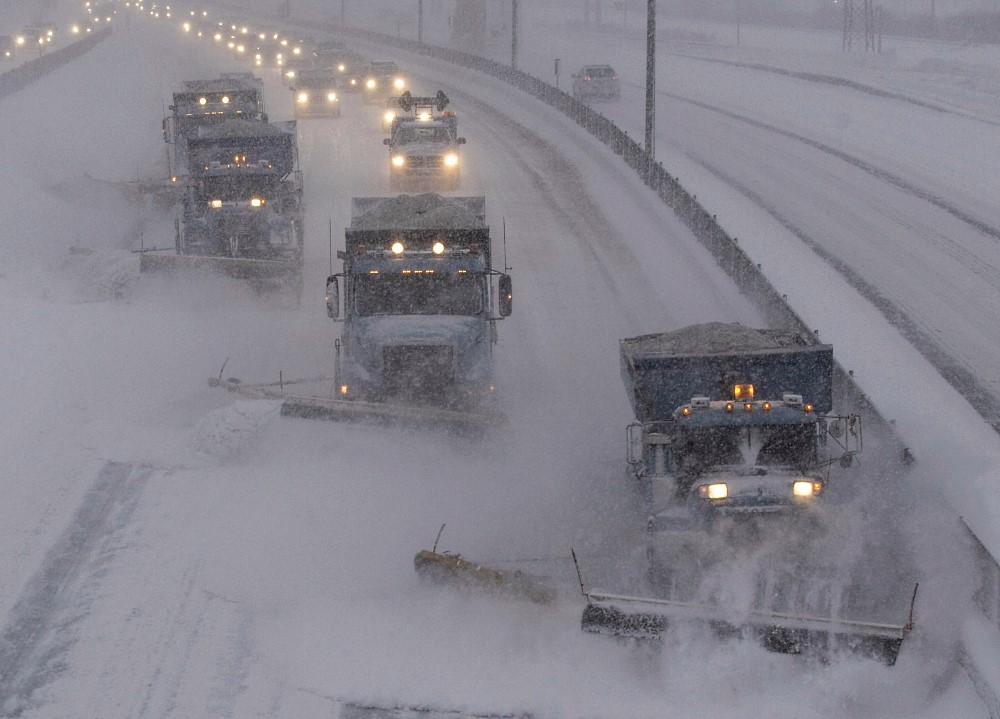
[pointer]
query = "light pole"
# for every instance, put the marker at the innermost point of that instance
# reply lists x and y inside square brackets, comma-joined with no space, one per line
[650,74]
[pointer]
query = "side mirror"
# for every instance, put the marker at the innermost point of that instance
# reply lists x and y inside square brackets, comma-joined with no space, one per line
[506,296]
[387,141]
[461,141]
[332,297]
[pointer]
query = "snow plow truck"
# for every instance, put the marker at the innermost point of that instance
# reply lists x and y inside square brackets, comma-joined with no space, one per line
[734,445]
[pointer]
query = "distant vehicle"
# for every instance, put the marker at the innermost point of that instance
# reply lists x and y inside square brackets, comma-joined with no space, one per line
[315,93]
[7,47]
[597,81]
[381,81]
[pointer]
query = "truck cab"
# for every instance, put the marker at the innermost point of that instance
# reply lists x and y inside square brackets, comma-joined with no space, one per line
[419,317]
[424,153]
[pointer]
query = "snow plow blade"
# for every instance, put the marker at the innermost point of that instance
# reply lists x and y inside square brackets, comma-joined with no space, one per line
[264,272]
[410,415]
[642,618]
[317,407]
[452,570]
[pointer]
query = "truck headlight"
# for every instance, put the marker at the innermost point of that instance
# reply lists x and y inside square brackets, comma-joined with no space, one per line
[303,97]
[256,201]
[390,116]
[719,490]
[399,83]
[215,204]
[398,160]
[806,488]
[370,84]
[332,97]
[451,160]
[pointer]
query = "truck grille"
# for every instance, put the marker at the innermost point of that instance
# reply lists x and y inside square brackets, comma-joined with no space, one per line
[424,373]
[424,162]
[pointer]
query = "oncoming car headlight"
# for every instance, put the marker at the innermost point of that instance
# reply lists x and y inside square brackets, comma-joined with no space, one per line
[451,160]
[398,160]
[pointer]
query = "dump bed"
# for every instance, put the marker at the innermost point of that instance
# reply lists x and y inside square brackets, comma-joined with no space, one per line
[663,371]
[252,142]
[422,219]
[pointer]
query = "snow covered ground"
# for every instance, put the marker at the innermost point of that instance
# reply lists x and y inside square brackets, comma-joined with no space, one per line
[169,552]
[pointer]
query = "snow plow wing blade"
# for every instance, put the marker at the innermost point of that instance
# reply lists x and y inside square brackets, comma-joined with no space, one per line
[264,272]
[452,570]
[391,414]
[317,407]
[642,618]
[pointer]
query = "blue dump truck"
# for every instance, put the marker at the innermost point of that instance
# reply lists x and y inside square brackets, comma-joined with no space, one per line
[242,205]
[734,436]
[421,298]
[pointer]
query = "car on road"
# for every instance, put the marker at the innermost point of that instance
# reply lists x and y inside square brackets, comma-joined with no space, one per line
[597,81]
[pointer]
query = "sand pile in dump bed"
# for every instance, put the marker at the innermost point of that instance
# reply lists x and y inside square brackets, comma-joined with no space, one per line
[712,338]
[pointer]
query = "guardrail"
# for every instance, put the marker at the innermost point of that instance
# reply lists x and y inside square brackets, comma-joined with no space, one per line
[23,75]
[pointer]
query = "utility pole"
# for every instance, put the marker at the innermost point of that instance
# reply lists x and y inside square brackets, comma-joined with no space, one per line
[513,34]
[420,21]
[650,74]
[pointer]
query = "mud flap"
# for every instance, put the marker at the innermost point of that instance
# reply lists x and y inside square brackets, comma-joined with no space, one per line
[643,618]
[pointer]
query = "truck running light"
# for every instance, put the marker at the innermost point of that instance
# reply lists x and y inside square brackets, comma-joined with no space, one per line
[202,101]
[216,204]
[805,488]
[719,490]
[256,201]
[397,248]
[748,406]
[343,389]
[730,406]
[766,406]
[225,99]
[743,391]
[438,248]
[686,411]
[808,407]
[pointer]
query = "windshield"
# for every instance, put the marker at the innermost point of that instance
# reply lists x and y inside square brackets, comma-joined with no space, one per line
[771,446]
[423,134]
[237,189]
[426,293]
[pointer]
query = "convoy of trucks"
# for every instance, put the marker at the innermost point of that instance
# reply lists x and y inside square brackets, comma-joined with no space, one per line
[732,426]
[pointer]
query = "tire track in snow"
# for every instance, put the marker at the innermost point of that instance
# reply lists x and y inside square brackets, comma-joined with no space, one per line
[38,632]
[884,175]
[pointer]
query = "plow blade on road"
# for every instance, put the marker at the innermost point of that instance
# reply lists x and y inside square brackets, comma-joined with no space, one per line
[330,408]
[453,570]
[262,274]
[647,618]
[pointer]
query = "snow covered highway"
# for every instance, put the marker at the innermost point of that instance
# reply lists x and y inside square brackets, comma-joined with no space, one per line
[169,552]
